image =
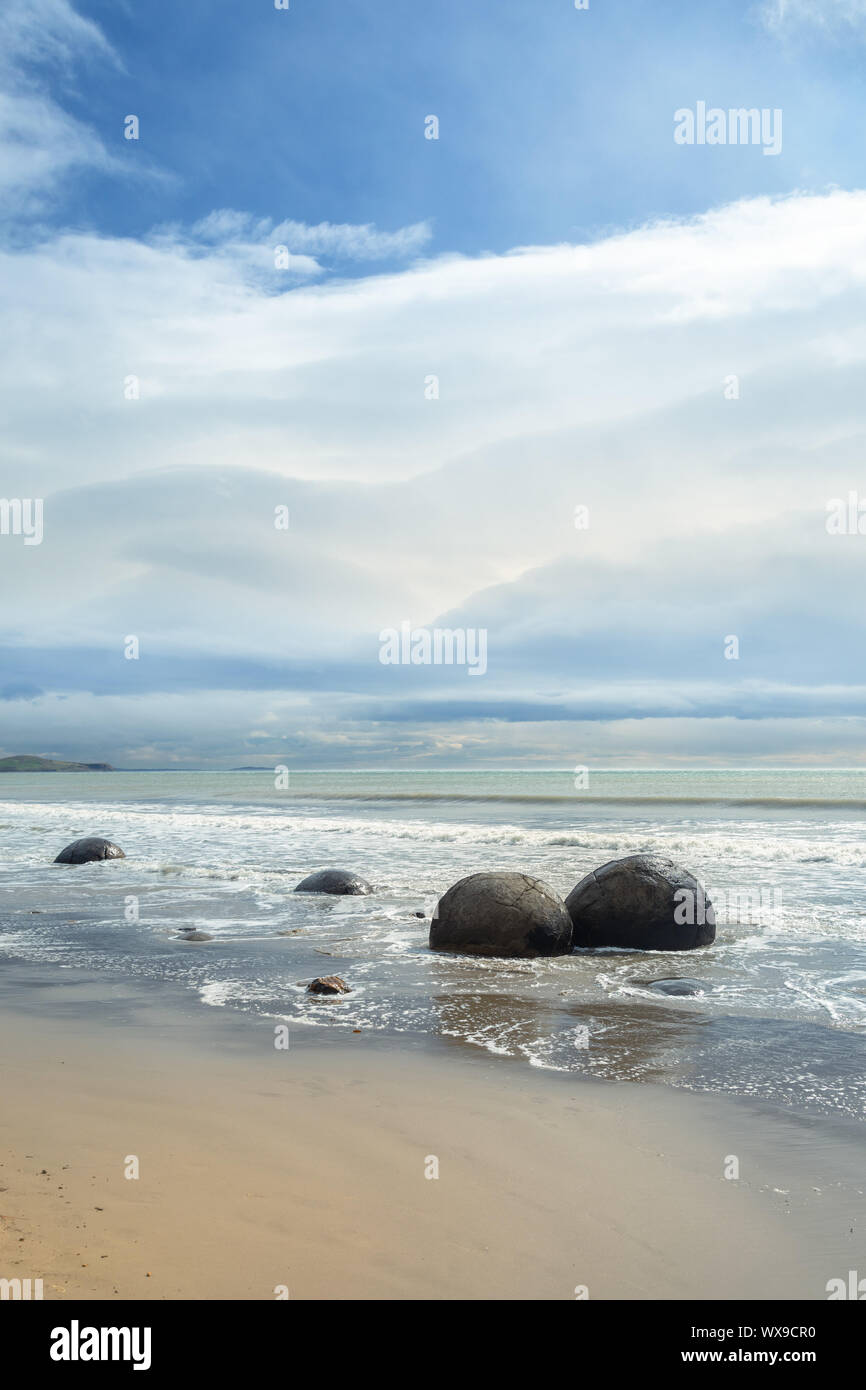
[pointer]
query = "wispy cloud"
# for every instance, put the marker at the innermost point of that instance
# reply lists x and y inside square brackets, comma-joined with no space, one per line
[343,241]
[48,31]
[40,142]
[365,243]
[832,16]
[273,254]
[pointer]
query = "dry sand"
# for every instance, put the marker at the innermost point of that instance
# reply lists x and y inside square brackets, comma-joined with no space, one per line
[306,1168]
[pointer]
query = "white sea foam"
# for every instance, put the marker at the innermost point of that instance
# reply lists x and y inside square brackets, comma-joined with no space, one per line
[229,869]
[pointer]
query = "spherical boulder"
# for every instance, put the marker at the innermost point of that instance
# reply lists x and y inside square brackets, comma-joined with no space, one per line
[501,914]
[89,849]
[644,902]
[334,881]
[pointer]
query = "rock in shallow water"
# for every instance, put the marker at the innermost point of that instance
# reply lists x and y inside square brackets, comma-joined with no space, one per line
[501,914]
[88,850]
[195,936]
[328,984]
[334,881]
[645,902]
[675,987]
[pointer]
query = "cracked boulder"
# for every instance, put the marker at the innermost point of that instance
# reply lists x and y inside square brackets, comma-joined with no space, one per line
[501,914]
[644,902]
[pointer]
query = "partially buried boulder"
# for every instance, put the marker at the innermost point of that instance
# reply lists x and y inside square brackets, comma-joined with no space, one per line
[676,987]
[501,914]
[334,881]
[644,902]
[88,850]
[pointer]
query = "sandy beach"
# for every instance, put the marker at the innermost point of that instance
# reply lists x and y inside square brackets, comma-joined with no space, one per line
[432,672]
[303,1170]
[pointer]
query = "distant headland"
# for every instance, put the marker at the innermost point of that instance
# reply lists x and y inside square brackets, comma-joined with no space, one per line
[23,762]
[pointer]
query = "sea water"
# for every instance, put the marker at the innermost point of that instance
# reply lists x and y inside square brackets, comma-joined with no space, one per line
[776,1008]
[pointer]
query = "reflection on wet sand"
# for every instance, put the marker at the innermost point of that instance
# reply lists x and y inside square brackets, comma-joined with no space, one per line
[679,1042]
[618,1039]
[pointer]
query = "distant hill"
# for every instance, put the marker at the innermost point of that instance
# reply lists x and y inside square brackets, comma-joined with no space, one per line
[23,762]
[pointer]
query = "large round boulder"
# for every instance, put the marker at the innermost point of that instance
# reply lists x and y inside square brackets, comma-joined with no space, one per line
[644,902]
[501,914]
[334,881]
[89,849]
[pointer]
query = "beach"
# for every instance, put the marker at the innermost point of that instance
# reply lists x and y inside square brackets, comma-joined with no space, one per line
[775,1009]
[263,1171]
[450,1128]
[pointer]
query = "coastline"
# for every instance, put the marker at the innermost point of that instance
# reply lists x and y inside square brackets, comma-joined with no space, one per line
[305,1168]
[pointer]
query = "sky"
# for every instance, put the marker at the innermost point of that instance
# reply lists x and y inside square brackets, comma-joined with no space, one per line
[283,374]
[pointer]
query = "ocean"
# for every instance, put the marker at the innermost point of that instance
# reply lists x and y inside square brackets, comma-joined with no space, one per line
[775,1009]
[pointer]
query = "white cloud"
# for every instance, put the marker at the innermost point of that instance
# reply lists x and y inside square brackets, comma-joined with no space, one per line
[354,243]
[783,15]
[40,142]
[275,257]
[48,31]
[344,241]
[589,374]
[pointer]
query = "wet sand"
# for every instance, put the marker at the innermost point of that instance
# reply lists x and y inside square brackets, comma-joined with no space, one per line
[305,1169]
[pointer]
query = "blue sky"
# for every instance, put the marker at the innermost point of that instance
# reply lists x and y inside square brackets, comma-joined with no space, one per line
[555,123]
[582,287]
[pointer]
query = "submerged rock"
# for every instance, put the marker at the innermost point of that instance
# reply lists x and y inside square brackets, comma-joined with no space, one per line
[645,902]
[675,986]
[501,914]
[88,850]
[334,881]
[328,984]
[195,936]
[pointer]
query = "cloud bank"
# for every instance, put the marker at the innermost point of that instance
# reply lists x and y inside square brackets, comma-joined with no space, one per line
[615,458]
[596,376]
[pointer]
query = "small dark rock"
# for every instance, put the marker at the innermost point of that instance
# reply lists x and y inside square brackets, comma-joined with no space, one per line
[334,881]
[88,850]
[195,936]
[420,914]
[328,984]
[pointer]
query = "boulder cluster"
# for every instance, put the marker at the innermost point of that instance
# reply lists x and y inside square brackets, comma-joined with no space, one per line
[642,903]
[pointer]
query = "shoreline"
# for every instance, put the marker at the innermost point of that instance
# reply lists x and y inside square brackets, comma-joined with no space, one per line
[306,1168]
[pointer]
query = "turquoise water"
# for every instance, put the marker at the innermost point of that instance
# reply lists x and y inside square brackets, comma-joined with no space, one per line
[776,1009]
[822,786]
